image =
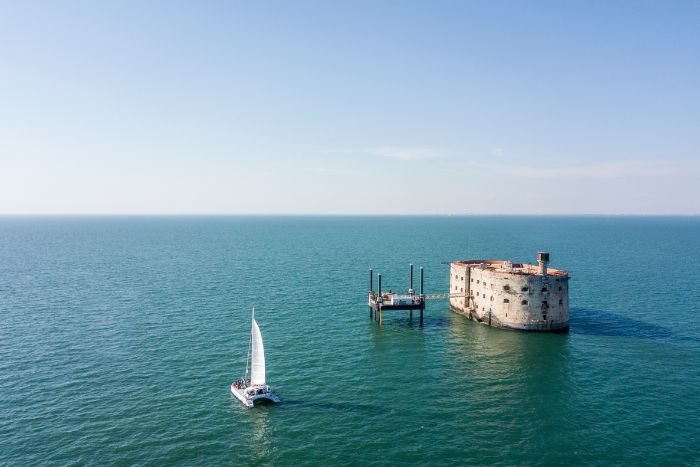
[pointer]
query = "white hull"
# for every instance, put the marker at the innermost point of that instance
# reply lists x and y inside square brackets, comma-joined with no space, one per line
[254,394]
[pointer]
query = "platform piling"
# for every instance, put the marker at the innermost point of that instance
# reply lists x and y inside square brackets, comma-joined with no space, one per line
[371,278]
[421,280]
[421,294]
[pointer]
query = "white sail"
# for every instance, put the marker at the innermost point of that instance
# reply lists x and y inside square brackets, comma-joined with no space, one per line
[257,357]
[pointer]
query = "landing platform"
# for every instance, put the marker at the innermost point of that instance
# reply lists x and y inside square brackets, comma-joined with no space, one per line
[393,301]
[390,301]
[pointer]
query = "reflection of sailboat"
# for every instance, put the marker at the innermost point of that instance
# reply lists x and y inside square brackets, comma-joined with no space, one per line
[252,388]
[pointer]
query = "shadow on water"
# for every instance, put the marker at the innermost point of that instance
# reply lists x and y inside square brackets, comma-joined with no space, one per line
[285,402]
[593,322]
[334,406]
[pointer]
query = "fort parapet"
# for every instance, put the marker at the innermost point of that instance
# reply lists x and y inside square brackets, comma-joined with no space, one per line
[511,295]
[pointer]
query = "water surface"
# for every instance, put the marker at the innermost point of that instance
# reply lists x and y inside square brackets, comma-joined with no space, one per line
[119,337]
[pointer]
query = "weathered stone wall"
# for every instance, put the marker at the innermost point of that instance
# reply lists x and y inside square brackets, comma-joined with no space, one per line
[459,283]
[508,299]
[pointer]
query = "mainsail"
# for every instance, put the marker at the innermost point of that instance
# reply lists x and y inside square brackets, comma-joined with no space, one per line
[257,357]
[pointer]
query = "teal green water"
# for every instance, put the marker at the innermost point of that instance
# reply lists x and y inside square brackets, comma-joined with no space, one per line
[119,337]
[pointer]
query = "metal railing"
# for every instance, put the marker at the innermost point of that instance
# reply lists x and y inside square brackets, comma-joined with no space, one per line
[444,296]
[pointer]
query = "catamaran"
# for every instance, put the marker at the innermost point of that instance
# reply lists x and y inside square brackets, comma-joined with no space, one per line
[252,388]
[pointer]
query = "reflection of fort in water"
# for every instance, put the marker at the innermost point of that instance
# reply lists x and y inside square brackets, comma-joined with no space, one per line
[491,366]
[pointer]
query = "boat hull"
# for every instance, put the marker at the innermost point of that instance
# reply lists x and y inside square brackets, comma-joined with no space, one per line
[250,400]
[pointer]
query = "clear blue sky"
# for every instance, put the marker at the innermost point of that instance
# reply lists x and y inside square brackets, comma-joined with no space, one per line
[350,108]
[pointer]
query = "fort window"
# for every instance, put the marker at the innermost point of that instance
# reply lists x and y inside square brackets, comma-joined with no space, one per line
[506,287]
[560,287]
[524,302]
[561,302]
[472,279]
[491,297]
[461,289]
[477,281]
[524,289]
[505,300]
[483,296]
[544,289]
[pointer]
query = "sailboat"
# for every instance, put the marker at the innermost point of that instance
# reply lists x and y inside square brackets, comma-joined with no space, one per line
[252,388]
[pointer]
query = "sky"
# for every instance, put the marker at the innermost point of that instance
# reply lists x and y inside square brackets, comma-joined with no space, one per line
[377,107]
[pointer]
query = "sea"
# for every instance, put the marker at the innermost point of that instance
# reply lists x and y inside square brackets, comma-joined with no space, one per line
[120,336]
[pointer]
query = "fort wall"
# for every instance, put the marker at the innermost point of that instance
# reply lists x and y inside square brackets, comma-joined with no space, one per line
[511,295]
